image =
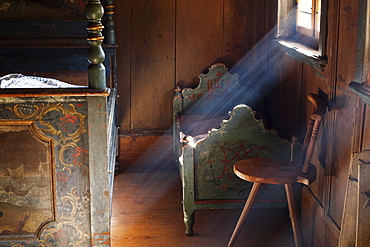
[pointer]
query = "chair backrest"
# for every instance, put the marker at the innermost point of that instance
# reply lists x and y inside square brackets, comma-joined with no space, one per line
[313,128]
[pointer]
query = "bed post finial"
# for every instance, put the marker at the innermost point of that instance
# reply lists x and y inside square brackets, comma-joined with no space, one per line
[96,70]
[109,32]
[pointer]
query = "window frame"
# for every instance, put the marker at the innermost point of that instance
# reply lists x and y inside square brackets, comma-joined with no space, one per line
[289,40]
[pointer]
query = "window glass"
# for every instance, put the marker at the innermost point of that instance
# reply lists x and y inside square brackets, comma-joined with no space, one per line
[304,14]
[302,30]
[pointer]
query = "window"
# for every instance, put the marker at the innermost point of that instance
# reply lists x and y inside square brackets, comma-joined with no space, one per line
[301,30]
[308,17]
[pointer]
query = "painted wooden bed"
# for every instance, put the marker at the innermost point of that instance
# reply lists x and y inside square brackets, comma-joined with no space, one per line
[207,146]
[58,146]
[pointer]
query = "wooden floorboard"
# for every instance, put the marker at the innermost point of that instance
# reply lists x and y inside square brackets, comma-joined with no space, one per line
[147,211]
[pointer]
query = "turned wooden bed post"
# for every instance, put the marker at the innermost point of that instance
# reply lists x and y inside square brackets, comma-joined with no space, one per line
[96,70]
[109,32]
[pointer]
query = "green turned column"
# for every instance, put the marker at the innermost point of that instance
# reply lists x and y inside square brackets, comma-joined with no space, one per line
[96,70]
[109,32]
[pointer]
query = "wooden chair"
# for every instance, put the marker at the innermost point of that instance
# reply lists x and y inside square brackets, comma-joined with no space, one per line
[275,171]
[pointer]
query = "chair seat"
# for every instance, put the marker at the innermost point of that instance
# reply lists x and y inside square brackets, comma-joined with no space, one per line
[273,171]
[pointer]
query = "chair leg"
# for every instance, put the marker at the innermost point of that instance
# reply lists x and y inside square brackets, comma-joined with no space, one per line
[294,216]
[247,207]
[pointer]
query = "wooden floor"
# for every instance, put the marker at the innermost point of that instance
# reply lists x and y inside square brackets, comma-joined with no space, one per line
[147,211]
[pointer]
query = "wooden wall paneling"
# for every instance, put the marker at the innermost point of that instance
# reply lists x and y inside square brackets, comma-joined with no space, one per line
[363,206]
[344,106]
[330,74]
[317,230]
[285,94]
[260,64]
[347,35]
[199,27]
[363,71]
[239,15]
[291,96]
[272,16]
[152,64]
[240,45]
[123,35]
[271,9]
[342,150]
[286,83]
[284,70]
[366,134]
[365,145]
[247,43]
[359,129]
[283,81]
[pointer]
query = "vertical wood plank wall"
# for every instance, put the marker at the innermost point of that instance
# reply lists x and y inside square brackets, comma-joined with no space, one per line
[164,43]
[167,43]
[343,131]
